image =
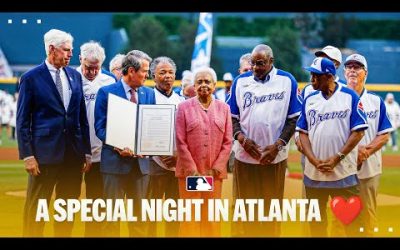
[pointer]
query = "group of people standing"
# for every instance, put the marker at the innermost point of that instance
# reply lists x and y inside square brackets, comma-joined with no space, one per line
[62,119]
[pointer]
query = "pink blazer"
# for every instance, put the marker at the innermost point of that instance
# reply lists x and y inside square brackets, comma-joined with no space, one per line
[203,139]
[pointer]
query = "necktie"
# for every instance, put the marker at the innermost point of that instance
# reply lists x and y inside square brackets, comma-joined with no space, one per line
[133,96]
[59,84]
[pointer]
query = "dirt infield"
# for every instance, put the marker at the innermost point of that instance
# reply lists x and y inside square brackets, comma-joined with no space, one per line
[388,160]
[8,154]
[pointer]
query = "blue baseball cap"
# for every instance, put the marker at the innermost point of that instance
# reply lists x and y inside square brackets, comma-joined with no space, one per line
[322,65]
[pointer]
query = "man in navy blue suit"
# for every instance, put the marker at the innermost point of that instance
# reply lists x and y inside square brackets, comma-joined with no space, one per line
[125,174]
[53,131]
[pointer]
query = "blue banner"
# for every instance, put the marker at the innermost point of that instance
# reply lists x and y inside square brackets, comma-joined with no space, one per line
[202,46]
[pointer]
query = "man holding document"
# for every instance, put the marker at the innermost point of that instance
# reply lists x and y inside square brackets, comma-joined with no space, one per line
[124,174]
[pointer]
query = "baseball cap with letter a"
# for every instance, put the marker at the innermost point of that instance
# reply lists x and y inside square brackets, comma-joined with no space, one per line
[322,65]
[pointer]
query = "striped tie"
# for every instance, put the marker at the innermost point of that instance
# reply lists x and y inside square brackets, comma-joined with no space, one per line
[133,96]
[59,84]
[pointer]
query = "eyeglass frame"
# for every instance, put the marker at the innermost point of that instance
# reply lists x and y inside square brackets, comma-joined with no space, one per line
[355,66]
[260,63]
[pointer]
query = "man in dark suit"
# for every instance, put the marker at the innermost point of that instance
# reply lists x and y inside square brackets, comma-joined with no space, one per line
[53,131]
[123,173]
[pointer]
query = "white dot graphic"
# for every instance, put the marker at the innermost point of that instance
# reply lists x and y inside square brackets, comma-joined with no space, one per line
[376,229]
[39,21]
[390,229]
[361,229]
[24,21]
[9,21]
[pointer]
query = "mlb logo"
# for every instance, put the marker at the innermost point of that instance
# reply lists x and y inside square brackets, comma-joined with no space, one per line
[199,183]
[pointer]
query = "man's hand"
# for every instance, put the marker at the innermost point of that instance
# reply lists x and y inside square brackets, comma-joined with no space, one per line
[363,155]
[269,154]
[32,166]
[252,148]
[169,161]
[126,152]
[88,164]
[329,164]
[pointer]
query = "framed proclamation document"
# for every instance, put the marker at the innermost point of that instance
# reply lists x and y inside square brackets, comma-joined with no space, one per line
[156,129]
[145,129]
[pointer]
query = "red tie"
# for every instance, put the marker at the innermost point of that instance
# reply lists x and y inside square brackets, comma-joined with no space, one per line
[133,96]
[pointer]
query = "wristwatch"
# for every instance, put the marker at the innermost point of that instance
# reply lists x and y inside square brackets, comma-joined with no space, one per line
[280,147]
[341,156]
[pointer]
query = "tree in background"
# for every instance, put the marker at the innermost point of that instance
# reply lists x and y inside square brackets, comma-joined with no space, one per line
[337,29]
[183,46]
[285,43]
[310,27]
[148,34]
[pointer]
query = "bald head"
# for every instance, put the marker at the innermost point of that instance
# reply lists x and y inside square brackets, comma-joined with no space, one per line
[263,49]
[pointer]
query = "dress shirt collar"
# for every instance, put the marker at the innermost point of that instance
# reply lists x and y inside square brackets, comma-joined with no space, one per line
[127,88]
[51,66]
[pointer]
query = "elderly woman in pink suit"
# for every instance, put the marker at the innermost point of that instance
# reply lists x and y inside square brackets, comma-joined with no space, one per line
[203,139]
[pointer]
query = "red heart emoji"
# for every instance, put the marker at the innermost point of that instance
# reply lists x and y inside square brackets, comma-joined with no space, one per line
[346,211]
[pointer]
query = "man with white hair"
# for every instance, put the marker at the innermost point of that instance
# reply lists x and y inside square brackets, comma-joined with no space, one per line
[53,131]
[244,63]
[369,161]
[393,111]
[116,65]
[187,85]
[91,58]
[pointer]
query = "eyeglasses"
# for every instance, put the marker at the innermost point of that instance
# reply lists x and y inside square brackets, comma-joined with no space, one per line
[259,63]
[356,67]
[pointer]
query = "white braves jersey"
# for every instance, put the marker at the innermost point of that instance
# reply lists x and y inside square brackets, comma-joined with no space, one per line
[307,90]
[329,124]
[393,111]
[378,123]
[262,109]
[90,89]
[162,99]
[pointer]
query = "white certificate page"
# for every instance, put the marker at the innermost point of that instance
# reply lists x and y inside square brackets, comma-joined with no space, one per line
[156,129]
[121,122]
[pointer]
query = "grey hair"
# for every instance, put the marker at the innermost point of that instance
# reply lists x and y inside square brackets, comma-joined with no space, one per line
[134,59]
[56,38]
[93,51]
[116,62]
[187,79]
[205,70]
[158,60]
[262,48]
[244,58]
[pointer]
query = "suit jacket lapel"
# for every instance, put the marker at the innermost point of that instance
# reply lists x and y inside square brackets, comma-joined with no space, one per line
[120,91]
[73,85]
[48,80]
